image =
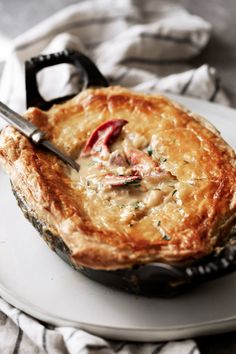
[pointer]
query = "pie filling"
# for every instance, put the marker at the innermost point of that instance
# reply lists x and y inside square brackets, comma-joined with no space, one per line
[126,173]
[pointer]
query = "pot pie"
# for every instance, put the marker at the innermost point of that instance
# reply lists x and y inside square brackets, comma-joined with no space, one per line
[156,182]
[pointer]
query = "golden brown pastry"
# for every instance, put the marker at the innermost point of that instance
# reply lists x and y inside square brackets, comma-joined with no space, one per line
[157,183]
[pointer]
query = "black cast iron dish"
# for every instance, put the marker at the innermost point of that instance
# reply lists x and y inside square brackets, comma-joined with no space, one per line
[154,279]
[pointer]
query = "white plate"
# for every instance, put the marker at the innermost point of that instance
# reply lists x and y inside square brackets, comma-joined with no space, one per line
[37,281]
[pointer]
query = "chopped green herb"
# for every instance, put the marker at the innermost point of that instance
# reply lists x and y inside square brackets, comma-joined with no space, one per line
[159,223]
[163,159]
[91,163]
[135,182]
[136,205]
[173,193]
[166,237]
[122,206]
[149,151]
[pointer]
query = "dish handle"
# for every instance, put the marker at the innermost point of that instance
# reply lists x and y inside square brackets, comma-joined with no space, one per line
[89,75]
[170,280]
[216,267]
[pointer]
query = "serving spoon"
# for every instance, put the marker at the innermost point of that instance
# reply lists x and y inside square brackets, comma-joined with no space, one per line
[32,132]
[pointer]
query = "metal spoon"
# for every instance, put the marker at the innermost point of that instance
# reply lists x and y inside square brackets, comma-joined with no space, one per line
[32,132]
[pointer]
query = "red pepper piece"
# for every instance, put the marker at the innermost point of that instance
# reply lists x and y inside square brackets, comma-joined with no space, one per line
[113,180]
[103,136]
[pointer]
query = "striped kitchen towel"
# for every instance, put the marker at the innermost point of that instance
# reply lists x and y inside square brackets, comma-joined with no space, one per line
[145,45]
[22,334]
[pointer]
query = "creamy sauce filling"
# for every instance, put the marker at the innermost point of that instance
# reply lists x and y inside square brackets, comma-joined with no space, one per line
[132,201]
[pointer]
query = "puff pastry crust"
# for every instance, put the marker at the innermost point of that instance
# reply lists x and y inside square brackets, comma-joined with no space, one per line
[179,214]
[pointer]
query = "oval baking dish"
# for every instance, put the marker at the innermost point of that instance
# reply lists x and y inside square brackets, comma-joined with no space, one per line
[197,248]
